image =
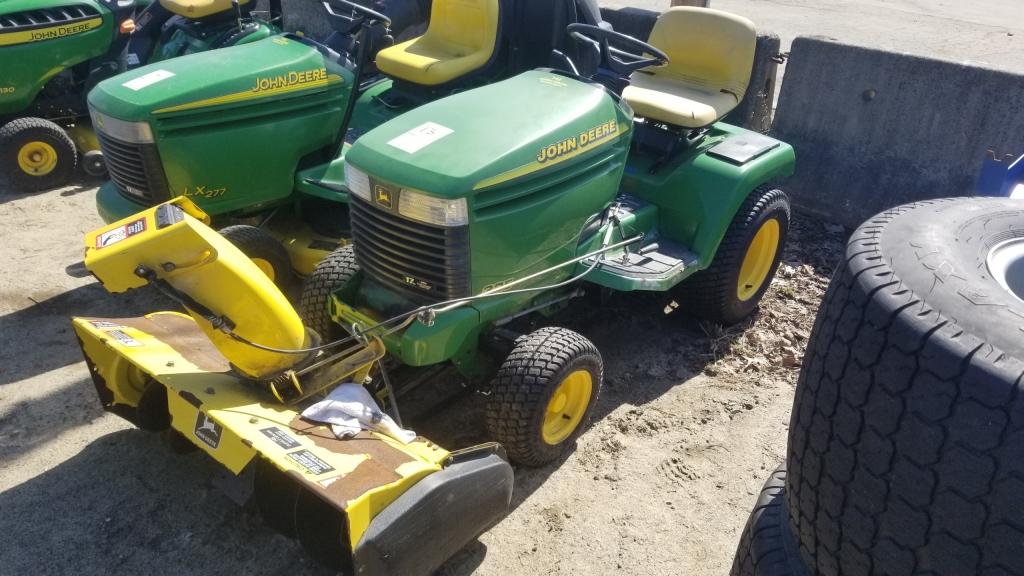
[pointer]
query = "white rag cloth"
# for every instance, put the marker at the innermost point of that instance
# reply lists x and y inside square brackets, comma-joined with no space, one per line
[350,408]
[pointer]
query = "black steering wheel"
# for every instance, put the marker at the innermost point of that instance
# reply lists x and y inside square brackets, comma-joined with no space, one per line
[632,55]
[358,13]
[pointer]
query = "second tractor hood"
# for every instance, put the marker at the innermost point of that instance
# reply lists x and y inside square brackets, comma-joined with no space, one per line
[492,135]
[226,77]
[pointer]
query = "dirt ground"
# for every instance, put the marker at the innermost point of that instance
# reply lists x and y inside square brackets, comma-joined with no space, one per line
[690,422]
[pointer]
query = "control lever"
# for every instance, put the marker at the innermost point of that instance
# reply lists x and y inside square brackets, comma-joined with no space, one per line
[647,249]
[238,13]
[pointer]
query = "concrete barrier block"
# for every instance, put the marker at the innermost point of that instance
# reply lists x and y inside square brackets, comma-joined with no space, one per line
[875,129]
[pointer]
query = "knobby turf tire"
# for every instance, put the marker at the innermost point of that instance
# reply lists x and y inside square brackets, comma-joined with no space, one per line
[524,385]
[767,548]
[256,243]
[330,274]
[906,445]
[711,293]
[21,131]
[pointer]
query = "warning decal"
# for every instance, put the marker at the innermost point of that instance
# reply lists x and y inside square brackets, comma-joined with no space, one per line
[313,464]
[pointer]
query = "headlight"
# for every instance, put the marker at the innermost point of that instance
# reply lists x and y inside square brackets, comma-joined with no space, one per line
[131,132]
[438,211]
[357,181]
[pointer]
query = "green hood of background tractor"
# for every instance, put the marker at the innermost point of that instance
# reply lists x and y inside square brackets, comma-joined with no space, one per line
[227,78]
[32,52]
[492,136]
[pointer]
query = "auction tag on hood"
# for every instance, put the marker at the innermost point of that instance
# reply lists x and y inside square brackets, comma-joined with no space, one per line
[420,137]
[141,82]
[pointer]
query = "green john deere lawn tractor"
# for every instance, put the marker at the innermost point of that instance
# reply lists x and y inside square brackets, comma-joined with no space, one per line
[259,134]
[55,51]
[511,199]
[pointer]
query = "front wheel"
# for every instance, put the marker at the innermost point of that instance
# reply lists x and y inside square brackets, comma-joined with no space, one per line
[543,394]
[330,274]
[36,154]
[731,288]
[264,250]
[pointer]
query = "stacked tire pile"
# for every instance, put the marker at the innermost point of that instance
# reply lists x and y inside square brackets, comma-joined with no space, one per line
[906,444]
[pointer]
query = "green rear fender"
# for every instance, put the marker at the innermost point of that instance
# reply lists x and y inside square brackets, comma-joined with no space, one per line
[698,197]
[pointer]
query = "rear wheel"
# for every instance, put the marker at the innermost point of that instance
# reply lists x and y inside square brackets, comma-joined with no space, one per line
[730,289]
[543,394]
[93,164]
[36,154]
[264,250]
[330,274]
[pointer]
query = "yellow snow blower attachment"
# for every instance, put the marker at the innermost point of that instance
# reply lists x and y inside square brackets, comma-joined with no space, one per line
[233,376]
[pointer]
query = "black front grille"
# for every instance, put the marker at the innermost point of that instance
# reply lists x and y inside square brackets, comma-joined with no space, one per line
[32,19]
[427,263]
[135,169]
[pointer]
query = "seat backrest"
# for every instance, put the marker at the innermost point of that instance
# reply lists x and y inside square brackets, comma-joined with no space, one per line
[707,48]
[469,24]
[198,8]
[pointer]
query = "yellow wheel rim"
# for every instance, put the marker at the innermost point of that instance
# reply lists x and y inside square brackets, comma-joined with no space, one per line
[37,158]
[567,406]
[266,267]
[757,263]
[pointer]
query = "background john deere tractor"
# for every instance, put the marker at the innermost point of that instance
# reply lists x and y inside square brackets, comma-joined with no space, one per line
[471,213]
[55,51]
[262,134]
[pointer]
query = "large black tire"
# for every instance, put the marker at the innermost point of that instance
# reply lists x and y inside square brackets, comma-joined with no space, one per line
[713,294]
[767,548]
[906,446]
[48,155]
[330,274]
[264,250]
[523,389]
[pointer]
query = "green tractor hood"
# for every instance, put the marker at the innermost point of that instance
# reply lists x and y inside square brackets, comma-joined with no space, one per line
[228,127]
[41,38]
[492,136]
[223,79]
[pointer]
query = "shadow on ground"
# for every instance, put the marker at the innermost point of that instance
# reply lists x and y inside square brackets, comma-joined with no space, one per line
[125,505]
[39,337]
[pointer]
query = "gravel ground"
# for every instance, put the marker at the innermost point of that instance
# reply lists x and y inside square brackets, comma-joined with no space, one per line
[692,418]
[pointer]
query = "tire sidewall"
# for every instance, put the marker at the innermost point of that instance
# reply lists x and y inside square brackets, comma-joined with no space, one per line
[940,251]
[738,309]
[586,361]
[23,181]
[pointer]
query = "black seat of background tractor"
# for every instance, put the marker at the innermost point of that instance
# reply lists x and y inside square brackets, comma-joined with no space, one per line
[540,27]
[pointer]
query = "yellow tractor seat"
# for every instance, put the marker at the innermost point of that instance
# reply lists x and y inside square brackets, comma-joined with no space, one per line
[461,37]
[198,8]
[711,55]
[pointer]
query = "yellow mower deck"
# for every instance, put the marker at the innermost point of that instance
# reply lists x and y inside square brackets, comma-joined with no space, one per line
[366,504]
[234,422]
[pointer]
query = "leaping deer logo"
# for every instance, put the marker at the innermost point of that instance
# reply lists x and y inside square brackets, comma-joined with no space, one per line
[208,430]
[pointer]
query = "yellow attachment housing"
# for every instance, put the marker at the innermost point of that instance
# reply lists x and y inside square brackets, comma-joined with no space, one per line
[234,423]
[175,242]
